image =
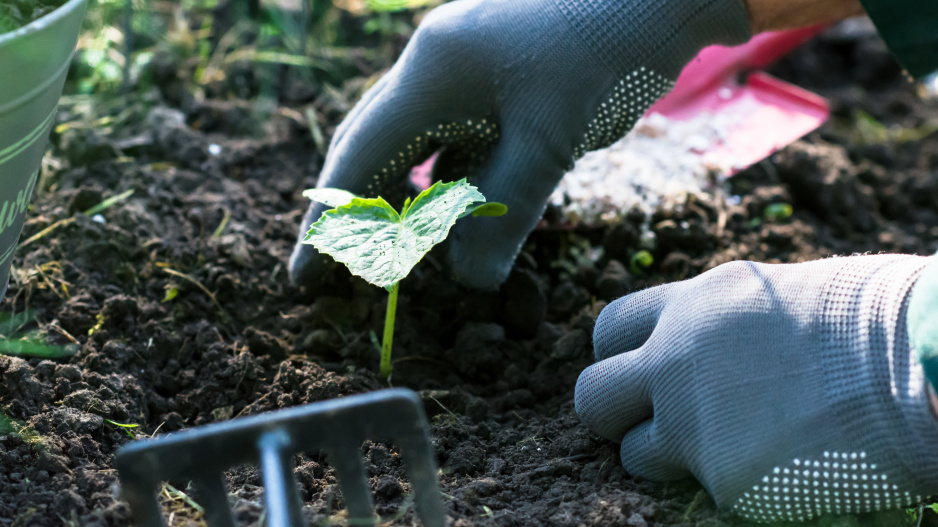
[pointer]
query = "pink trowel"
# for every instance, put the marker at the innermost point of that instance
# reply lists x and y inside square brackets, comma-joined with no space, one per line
[760,114]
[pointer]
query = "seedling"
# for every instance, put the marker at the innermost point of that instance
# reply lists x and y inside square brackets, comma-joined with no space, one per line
[640,261]
[381,245]
[778,212]
[124,427]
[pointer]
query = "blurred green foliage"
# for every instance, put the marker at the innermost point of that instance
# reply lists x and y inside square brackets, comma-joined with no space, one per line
[131,44]
[16,341]
[17,13]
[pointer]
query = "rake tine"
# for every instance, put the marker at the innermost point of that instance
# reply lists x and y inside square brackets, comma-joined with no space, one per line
[410,430]
[213,496]
[349,466]
[337,426]
[421,467]
[280,494]
[144,505]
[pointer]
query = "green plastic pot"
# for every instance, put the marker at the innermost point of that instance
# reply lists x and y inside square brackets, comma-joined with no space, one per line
[34,61]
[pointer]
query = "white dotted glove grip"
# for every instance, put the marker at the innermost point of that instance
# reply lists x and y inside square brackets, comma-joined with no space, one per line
[513,91]
[789,391]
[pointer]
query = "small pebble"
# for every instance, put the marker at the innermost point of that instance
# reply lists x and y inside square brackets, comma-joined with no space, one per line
[99,219]
[214,149]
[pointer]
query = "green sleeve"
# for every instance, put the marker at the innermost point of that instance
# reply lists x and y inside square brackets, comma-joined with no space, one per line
[910,29]
[922,320]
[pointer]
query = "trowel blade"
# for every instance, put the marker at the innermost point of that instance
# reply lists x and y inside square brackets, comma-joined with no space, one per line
[761,114]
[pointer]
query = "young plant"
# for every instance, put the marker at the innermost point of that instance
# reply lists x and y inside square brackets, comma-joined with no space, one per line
[382,245]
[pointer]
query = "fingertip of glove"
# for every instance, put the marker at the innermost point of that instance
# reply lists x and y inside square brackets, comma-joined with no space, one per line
[477,270]
[580,398]
[315,274]
[301,263]
[587,404]
[480,277]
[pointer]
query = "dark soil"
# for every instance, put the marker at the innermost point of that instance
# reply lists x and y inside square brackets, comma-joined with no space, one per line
[15,14]
[496,370]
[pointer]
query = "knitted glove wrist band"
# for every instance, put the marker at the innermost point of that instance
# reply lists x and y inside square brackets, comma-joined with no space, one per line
[660,35]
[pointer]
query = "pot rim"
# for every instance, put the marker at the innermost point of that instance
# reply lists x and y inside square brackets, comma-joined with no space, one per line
[41,23]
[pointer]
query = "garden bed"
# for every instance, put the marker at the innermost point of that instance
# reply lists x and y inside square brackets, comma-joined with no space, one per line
[177,304]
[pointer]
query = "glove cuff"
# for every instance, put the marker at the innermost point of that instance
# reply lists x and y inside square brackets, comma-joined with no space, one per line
[662,34]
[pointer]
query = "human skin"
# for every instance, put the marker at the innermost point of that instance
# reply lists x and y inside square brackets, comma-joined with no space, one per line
[772,15]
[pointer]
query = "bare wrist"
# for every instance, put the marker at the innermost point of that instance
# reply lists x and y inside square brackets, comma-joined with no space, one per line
[772,15]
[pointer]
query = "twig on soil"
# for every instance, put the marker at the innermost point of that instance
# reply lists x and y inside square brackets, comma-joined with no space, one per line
[316,131]
[221,226]
[698,499]
[422,359]
[42,276]
[430,395]
[175,494]
[61,331]
[405,506]
[113,200]
[157,429]
[201,287]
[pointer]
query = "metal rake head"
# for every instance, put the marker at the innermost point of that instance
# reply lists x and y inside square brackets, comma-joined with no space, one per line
[338,427]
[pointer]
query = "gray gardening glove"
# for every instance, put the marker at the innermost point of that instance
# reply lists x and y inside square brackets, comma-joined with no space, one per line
[515,90]
[788,391]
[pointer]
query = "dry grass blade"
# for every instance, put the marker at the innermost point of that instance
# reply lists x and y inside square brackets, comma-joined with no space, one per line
[113,200]
[201,287]
[221,226]
[179,498]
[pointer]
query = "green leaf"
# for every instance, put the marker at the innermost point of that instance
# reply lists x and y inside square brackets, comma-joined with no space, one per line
[331,197]
[32,346]
[122,425]
[381,246]
[171,293]
[398,5]
[493,210]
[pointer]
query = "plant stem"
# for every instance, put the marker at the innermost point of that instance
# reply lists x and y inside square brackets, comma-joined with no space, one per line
[388,332]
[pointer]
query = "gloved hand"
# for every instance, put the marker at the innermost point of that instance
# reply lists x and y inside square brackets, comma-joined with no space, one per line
[515,90]
[788,391]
